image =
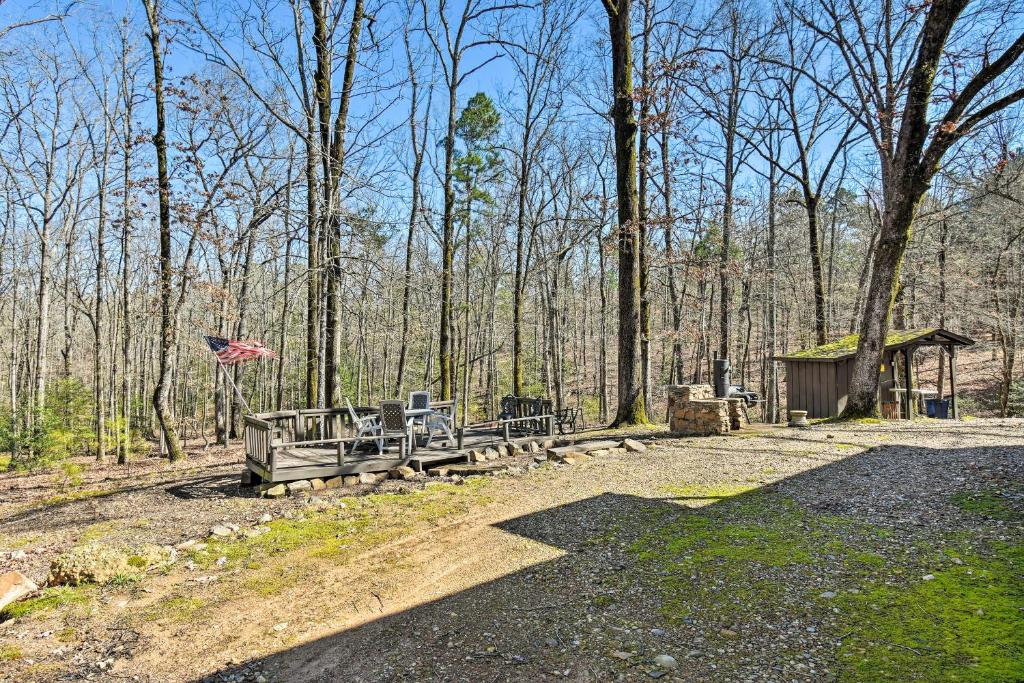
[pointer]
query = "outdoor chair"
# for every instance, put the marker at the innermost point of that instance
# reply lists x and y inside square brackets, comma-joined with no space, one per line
[419,400]
[567,419]
[439,422]
[394,425]
[365,426]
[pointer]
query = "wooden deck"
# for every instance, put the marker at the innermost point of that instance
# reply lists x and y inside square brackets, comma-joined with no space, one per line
[278,447]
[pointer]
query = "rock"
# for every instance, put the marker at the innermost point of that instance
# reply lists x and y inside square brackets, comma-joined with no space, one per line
[540,458]
[440,471]
[531,447]
[957,560]
[403,472]
[335,482]
[727,633]
[300,486]
[633,446]
[657,631]
[91,563]
[278,491]
[317,484]
[656,673]
[599,453]
[281,626]
[828,595]
[551,642]
[491,454]
[222,530]
[471,469]
[548,443]
[928,577]
[666,662]
[619,654]
[370,478]
[475,456]
[21,555]
[14,586]
[351,480]
[512,449]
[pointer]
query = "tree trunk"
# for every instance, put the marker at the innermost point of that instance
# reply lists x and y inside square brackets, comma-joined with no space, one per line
[161,392]
[631,409]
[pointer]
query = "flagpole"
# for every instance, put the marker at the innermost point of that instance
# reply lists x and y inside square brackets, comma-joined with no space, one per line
[233,385]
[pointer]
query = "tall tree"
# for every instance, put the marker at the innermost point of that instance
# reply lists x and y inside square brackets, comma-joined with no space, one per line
[161,391]
[631,409]
[889,86]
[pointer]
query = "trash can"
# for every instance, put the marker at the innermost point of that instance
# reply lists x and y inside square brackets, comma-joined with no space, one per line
[937,408]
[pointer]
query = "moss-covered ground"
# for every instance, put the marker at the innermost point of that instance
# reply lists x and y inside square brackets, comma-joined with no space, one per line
[891,603]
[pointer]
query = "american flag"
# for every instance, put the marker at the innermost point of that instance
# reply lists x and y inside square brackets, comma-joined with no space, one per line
[236,351]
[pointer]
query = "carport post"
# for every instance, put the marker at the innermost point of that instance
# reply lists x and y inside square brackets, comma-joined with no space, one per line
[908,376]
[952,383]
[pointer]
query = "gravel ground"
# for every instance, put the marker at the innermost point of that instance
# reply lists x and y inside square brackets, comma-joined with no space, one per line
[554,573]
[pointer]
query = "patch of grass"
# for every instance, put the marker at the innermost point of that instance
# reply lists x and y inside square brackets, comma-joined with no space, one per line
[9,653]
[176,609]
[56,597]
[340,532]
[95,532]
[986,503]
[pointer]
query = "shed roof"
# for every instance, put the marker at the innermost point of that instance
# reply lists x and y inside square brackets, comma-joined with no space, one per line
[896,339]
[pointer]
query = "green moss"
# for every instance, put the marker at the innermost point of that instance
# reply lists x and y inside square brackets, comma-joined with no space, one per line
[340,532]
[704,492]
[763,554]
[987,503]
[9,653]
[847,346]
[965,624]
[51,598]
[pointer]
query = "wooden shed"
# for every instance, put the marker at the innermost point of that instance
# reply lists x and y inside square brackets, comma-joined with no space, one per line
[818,379]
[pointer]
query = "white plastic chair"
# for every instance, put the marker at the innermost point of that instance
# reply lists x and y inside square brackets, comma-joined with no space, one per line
[366,426]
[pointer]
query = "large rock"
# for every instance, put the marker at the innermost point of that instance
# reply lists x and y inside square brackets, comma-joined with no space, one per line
[471,469]
[403,472]
[567,455]
[371,477]
[300,486]
[633,446]
[476,456]
[91,563]
[336,482]
[351,480]
[276,491]
[317,484]
[14,586]
[491,454]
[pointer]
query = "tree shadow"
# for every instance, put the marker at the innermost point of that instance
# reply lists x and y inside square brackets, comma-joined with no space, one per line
[589,613]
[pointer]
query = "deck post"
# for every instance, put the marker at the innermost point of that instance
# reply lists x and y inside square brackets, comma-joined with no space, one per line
[954,408]
[549,425]
[505,432]
[908,376]
[460,437]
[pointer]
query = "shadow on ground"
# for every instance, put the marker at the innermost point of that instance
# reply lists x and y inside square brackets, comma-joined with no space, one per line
[566,618]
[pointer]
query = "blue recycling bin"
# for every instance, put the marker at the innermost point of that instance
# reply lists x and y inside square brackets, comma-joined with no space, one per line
[937,408]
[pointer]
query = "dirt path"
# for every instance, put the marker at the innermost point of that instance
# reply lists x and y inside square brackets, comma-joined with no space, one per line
[538,576]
